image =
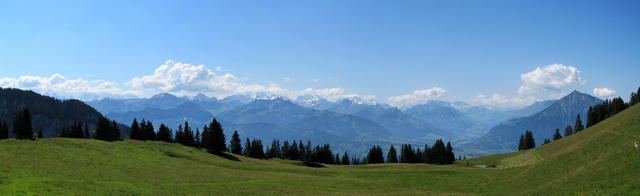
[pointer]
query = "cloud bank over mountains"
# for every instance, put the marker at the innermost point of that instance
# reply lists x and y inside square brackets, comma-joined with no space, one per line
[183,79]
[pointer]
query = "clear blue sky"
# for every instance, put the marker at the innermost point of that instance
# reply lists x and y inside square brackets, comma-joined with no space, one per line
[381,48]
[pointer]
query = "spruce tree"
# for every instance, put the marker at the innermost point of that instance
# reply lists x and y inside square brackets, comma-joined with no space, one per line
[135,132]
[450,156]
[148,131]
[4,130]
[557,135]
[22,127]
[578,126]
[345,159]
[108,131]
[392,157]
[40,133]
[247,148]
[216,139]
[197,141]
[86,131]
[164,133]
[546,141]
[568,131]
[236,148]
[337,159]
[529,141]
[521,145]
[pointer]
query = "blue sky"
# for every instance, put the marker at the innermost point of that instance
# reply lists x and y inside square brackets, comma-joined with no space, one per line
[460,50]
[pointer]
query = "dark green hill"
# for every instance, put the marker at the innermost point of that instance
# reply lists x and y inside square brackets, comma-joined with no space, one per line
[47,113]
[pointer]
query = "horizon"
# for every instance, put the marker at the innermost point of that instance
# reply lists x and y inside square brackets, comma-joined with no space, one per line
[401,54]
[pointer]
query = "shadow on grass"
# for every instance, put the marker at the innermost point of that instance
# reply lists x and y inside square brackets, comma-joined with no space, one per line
[227,156]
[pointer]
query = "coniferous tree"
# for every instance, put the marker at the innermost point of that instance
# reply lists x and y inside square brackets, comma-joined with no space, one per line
[86,131]
[578,126]
[546,141]
[345,159]
[40,133]
[105,130]
[521,145]
[529,141]
[568,131]
[247,148]
[635,97]
[427,154]
[197,141]
[591,117]
[337,159]
[235,147]
[179,135]
[135,133]
[164,133]
[286,150]
[22,127]
[216,139]
[4,130]
[451,157]
[418,156]
[293,151]
[392,157]
[375,155]
[149,133]
[557,135]
[188,138]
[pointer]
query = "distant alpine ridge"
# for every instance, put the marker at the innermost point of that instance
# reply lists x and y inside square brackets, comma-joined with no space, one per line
[504,137]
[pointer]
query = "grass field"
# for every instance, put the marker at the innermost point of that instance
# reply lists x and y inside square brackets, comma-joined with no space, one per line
[601,160]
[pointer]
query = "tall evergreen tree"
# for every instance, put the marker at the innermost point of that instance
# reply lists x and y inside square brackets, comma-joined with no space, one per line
[134,132]
[337,159]
[529,141]
[345,159]
[108,131]
[521,145]
[40,133]
[217,143]
[197,139]
[375,155]
[557,135]
[568,131]
[546,141]
[164,133]
[4,130]
[247,148]
[392,157]
[635,97]
[148,131]
[451,157]
[86,131]
[578,126]
[22,127]
[235,147]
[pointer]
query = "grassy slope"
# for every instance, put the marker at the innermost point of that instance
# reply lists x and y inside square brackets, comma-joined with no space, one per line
[599,160]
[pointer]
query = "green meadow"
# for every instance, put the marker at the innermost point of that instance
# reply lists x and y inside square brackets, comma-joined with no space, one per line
[601,160]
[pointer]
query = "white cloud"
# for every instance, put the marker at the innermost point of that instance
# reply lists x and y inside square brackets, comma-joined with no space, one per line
[603,92]
[185,79]
[315,80]
[59,86]
[417,97]
[551,77]
[286,79]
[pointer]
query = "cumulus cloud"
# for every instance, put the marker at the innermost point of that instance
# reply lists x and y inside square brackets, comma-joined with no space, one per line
[59,86]
[187,79]
[551,77]
[603,92]
[417,97]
